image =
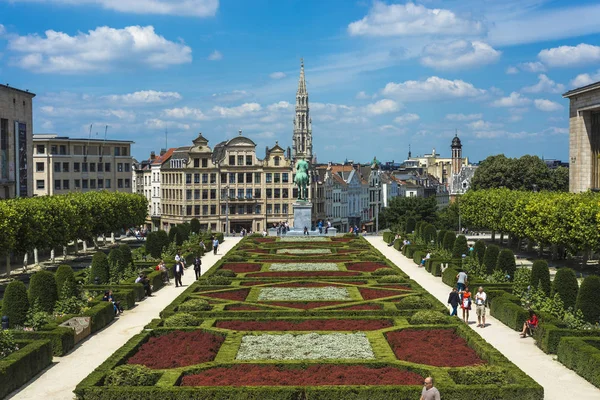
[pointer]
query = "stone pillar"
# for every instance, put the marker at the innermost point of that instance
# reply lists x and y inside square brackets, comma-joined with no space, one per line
[36,259]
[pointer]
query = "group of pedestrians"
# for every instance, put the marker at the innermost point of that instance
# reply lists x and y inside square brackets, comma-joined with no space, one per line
[462,296]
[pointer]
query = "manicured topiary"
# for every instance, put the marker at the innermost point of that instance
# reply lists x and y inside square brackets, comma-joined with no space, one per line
[430,234]
[479,250]
[428,317]
[540,276]
[66,285]
[588,299]
[385,271]
[126,256]
[413,302]
[506,263]
[460,246]
[449,239]
[100,269]
[194,305]
[131,375]
[418,226]
[182,319]
[183,233]
[392,279]
[42,288]
[115,265]
[565,284]
[15,303]
[225,272]
[490,257]
[410,225]
[156,242]
[173,231]
[440,237]
[195,225]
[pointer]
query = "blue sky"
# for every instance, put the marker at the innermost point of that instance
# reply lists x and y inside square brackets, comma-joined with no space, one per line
[380,75]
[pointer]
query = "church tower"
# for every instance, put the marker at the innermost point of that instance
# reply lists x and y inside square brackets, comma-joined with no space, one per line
[302,140]
[456,155]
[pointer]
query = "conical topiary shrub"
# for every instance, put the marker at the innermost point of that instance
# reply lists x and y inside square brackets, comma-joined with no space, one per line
[540,276]
[440,237]
[588,299]
[506,263]
[430,234]
[100,269]
[66,286]
[15,303]
[115,265]
[460,246]
[479,250]
[410,225]
[126,256]
[42,288]
[490,257]
[449,239]
[566,285]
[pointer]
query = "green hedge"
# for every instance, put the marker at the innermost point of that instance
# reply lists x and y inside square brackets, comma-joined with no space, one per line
[418,256]
[21,366]
[548,335]
[510,314]
[449,276]
[582,355]
[102,314]
[62,339]
[137,288]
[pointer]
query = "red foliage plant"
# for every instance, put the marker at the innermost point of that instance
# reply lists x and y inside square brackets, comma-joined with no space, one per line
[370,294]
[259,251]
[362,307]
[265,240]
[253,283]
[242,268]
[238,295]
[242,307]
[296,274]
[307,325]
[178,349]
[438,347]
[352,282]
[401,287]
[313,375]
[304,305]
[366,266]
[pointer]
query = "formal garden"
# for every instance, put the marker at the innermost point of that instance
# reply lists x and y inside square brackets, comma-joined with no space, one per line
[297,318]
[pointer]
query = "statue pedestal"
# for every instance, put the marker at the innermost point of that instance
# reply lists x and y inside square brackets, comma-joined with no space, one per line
[302,215]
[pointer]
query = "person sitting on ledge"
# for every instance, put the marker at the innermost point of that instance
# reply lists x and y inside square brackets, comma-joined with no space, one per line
[306,230]
[529,325]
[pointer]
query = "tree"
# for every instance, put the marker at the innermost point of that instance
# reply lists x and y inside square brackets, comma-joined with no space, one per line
[66,286]
[540,276]
[100,269]
[479,250]
[195,225]
[401,208]
[449,239]
[460,246]
[15,303]
[156,242]
[411,224]
[173,231]
[184,231]
[42,289]
[506,263]
[588,299]
[559,177]
[418,227]
[494,172]
[490,257]
[447,217]
[566,286]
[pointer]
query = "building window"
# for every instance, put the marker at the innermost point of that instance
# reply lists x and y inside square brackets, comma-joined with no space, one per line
[269,209]
[188,194]
[240,194]
[205,210]
[223,209]
[120,183]
[57,184]
[277,209]
[204,162]
[84,183]
[248,177]
[248,193]
[285,193]
[56,167]
[124,151]
[196,210]
[213,209]
[269,177]
[223,178]
[100,167]
[213,194]
[41,149]
[84,167]
[106,167]
[257,177]
[277,193]
[62,150]
[127,183]
[204,178]
[188,179]
[196,178]
[39,167]
[240,177]
[240,160]
[100,183]
[77,184]
[196,163]
[284,208]
[40,184]
[276,176]
[231,177]
[117,151]
[232,193]
[284,177]
[248,160]
[277,161]
[65,167]
[204,194]
[127,167]
[231,160]
[92,167]
[196,194]
[120,167]
[258,209]
[54,149]
[269,193]
[213,178]
[76,167]
[257,193]
[107,183]
[92,184]
[66,184]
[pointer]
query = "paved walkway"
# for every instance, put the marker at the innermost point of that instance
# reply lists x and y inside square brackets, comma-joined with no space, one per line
[559,382]
[58,381]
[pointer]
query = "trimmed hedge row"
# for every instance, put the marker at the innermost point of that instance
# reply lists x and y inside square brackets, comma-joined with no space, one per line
[511,314]
[582,355]
[62,339]
[19,367]
[549,334]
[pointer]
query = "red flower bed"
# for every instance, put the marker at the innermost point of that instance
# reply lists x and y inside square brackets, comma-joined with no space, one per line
[362,307]
[343,240]
[242,307]
[300,258]
[370,294]
[259,251]
[314,375]
[253,283]
[305,305]
[238,295]
[295,274]
[242,268]
[265,240]
[352,282]
[438,347]
[395,287]
[178,349]
[308,325]
[366,266]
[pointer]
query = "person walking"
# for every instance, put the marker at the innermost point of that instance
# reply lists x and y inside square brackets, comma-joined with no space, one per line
[197,266]
[429,391]
[320,227]
[178,273]
[454,301]
[480,300]
[461,280]
[215,244]
[465,303]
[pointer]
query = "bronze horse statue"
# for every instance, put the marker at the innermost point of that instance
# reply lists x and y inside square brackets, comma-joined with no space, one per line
[301,179]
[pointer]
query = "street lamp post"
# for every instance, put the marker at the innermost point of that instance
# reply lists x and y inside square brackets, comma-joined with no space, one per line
[226,210]
[377,209]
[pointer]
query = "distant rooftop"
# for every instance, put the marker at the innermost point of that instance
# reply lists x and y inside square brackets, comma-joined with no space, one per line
[26,91]
[54,136]
[582,89]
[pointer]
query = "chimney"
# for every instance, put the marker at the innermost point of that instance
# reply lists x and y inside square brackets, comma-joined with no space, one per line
[152,155]
[163,151]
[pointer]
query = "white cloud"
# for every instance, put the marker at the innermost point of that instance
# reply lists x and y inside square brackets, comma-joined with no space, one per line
[534,67]
[514,100]
[459,54]
[156,123]
[515,118]
[568,56]
[282,105]
[384,106]
[463,117]
[215,56]
[237,112]
[585,79]
[362,95]
[277,75]
[99,50]
[144,97]
[544,84]
[264,135]
[2,29]
[71,112]
[185,113]
[234,95]
[406,118]
[547,105]
[186,8]
[482,125]
[512,70]
[412,20]
[433,88]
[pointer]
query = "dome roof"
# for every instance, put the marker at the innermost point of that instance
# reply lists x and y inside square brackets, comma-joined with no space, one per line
[456,142]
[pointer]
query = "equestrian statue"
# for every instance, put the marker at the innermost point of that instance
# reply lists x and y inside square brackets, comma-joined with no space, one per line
[301,179]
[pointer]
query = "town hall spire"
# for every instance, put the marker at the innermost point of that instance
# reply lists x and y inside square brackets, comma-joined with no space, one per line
[302,139]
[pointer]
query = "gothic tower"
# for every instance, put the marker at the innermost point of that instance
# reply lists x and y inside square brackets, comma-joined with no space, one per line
[302,140]
[456,155]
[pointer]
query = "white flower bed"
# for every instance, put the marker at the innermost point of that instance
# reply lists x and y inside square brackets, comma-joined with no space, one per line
[312,346]
[303,239]
[304,251]
[304,267]
[303,294]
